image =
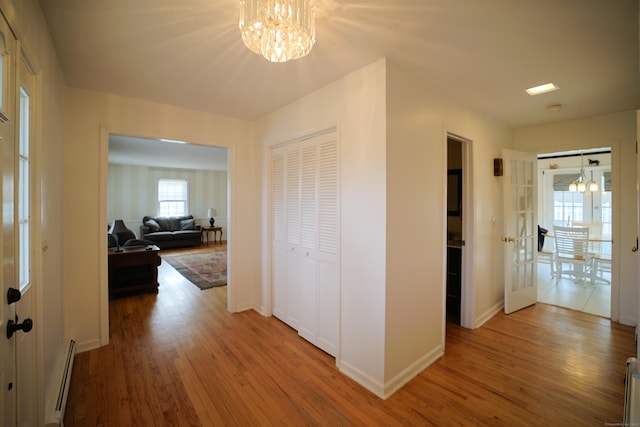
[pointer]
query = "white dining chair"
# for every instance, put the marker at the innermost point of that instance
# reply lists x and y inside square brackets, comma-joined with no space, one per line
[601,259]
[572,253]
[595,234]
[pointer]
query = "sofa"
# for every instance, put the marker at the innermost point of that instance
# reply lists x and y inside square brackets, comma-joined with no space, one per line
[171,232]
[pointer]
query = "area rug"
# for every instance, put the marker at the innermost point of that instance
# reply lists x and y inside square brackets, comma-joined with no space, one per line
[205,269]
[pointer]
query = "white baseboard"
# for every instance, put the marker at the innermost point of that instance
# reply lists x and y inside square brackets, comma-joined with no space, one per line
[412,371]
[384,391]
[81,347]
[59,390]
[363,379]
[484,317]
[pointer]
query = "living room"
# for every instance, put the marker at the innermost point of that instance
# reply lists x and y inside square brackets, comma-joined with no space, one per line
[152,181]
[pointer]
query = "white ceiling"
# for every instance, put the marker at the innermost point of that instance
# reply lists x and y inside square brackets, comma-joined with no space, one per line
[188,53]
[127,150]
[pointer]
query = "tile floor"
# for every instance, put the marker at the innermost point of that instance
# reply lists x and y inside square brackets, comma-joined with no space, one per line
[586,297]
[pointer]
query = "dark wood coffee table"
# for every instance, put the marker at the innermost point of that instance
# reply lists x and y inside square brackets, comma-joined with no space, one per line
[133,270]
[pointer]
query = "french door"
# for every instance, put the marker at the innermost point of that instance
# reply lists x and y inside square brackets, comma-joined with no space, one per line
[520,230]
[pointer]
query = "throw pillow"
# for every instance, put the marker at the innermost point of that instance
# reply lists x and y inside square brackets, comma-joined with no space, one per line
[164,223]
[187,224]
[154,227]
[175,224]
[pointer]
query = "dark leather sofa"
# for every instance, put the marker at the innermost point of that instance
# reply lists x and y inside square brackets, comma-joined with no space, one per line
[171,232]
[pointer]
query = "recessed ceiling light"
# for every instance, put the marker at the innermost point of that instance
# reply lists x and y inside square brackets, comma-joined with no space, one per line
[537,90]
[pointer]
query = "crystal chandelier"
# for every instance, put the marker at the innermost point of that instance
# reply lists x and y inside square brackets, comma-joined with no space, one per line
[279,30]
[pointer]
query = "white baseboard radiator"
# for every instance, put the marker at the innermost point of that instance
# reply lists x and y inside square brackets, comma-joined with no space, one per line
[59,404]
[632,393]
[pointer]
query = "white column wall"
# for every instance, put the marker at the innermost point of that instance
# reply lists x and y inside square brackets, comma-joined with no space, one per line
[603,131]
[419,116]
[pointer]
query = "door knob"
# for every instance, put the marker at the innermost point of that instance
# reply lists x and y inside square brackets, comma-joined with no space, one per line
[12,326]
[13,295]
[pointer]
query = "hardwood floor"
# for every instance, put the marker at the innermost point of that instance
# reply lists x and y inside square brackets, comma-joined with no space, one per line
[179,358]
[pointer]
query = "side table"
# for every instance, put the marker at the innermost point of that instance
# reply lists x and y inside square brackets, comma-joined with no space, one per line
[207,230]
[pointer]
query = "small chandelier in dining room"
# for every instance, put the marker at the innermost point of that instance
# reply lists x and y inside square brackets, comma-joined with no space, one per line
[581,184]
[279,30]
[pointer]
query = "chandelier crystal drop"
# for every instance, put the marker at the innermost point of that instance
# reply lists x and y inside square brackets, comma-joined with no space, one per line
[279,30]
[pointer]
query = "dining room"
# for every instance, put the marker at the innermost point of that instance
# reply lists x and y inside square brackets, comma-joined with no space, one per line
[575,193]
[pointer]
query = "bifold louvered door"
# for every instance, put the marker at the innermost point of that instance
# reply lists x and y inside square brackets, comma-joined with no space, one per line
[305,226]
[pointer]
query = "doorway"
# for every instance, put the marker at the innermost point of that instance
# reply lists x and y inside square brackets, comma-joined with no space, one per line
[140,162]
[561,202]
[455,229]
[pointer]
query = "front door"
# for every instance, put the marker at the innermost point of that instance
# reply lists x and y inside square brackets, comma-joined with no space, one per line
[8,286]
[520,230]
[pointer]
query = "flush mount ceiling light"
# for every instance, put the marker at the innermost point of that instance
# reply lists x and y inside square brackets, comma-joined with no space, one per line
[279,30]
[537,90]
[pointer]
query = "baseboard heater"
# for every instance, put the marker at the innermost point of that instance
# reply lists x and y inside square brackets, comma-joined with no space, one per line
[57,418]
[632,393]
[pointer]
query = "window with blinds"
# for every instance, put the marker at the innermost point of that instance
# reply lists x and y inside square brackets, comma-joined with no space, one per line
[172,197]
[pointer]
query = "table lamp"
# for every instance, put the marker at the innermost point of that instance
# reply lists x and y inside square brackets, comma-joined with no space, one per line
[211,212]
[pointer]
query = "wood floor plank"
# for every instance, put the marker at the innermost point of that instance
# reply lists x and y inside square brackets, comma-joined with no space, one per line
[178,358]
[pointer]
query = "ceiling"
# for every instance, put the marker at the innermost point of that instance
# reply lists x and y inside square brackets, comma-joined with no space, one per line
[188,53]
[128,150]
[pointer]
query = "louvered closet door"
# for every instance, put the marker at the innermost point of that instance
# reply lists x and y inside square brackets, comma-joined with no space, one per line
[306,236]
[279,231]
[308,326]
[328,336]
[292,182]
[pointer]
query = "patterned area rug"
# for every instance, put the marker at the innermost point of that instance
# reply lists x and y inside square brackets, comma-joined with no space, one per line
[205,270]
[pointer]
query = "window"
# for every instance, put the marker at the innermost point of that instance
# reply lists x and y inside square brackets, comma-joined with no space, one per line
[567,207]
[172,197]
[24,227]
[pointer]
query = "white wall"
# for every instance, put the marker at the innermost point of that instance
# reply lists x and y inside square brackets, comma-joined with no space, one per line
[133,194]
[419,116]
[91,117]
[619,132]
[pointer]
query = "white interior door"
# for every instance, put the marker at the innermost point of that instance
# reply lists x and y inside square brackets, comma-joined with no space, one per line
[520,230]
